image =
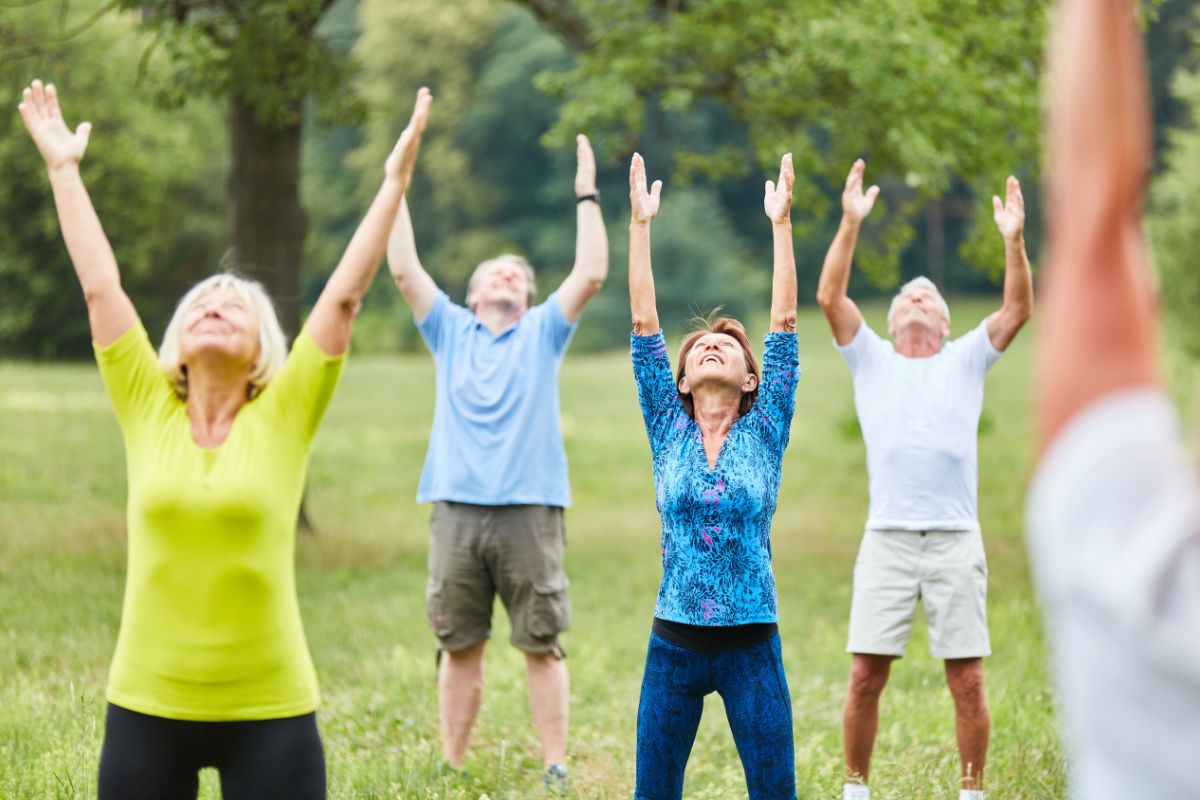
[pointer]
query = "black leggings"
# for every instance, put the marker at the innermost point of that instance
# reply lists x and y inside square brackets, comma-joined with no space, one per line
[152,758]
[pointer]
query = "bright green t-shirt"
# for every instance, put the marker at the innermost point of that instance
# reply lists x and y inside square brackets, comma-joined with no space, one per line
[210,627]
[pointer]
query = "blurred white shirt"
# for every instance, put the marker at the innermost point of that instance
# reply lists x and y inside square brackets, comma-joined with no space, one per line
[1113,522]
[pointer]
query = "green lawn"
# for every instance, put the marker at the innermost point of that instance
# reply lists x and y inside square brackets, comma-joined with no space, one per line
[362,579]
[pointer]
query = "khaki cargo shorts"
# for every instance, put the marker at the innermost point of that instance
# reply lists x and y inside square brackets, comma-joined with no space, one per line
[477,552]
[895,569]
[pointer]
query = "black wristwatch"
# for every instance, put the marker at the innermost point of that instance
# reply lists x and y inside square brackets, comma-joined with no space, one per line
[594,196]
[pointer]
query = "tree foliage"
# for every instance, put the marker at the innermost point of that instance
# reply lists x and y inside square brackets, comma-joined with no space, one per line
[154,176]
[1174,223]
[930,91]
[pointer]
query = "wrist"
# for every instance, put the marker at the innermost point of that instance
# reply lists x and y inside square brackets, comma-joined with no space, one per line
[68,167]
[782,224]
[639,224]
[1016,240]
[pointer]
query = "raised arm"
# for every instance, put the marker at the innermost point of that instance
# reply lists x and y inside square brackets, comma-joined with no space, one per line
[1003,325]
[110,313]
[591,240]
[777,202]
[841,312]
[332,317]
[1098,334]
[644,206]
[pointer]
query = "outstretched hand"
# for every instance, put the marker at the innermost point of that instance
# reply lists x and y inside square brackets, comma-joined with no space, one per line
[857,204]
[585,167]
[1010,215]
[777,199]
[644,203]
[44,121]
[403,159]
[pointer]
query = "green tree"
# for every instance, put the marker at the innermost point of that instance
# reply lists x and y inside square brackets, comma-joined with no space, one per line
[1174,224]
[262,59]
[154,176]
[929,91]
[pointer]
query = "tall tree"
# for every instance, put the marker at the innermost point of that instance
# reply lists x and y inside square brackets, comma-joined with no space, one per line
[929,91]
[263,59]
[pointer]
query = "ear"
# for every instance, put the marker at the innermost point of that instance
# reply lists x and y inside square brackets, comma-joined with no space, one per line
[751,382]
[683,387]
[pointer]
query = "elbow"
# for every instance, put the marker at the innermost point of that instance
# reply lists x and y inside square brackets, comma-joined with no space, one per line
[594,284]
[825,298]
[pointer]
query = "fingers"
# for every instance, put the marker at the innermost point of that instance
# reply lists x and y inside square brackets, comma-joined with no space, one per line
[872,193]
[420,114]
[997,206]
[583,151]
[787,172]
[655,191]
[84,132]
[52,101]
[39,97]
[855,175]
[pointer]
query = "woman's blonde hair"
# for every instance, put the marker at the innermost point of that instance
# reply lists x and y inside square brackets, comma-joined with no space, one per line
[730,327]
[272,344]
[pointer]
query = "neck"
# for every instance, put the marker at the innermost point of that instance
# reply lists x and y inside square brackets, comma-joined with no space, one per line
[716,411]
[917,341]
[497,316]
[215,394]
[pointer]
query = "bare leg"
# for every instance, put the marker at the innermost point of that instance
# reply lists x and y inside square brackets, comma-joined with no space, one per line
[860,718]
[548,689]
[972,722]
[460,692]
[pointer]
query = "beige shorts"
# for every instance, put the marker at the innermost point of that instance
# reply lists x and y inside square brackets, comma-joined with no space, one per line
[478,552]
[945,569]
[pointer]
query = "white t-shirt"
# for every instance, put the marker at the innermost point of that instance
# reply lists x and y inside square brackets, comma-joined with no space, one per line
[1113,521]
[920,422]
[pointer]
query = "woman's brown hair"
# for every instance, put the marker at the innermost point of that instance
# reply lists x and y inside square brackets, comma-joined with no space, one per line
[730,327]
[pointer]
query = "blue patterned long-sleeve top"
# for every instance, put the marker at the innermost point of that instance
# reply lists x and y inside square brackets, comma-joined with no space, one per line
[716,523]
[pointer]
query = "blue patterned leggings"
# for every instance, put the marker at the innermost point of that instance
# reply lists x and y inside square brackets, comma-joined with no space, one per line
[752,684]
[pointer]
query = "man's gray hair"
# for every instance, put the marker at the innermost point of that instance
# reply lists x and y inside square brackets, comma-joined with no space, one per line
[918,283]
[520,261]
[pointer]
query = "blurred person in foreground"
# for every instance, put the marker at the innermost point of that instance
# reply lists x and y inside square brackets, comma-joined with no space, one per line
[1113,513]
[211,667]
[496,469]
[718,429]
[918,402]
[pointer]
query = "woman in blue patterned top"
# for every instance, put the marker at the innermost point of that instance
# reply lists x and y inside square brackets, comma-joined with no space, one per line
[717,430]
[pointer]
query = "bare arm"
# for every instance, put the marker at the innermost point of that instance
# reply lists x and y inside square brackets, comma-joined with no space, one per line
[1098,335]
[411,279]
[841,312]
[1004,324]
[591,240]
[110,312]
[644,205]
[777,202]
[332,317]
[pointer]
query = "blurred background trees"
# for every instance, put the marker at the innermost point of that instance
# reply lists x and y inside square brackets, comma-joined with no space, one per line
[300,100]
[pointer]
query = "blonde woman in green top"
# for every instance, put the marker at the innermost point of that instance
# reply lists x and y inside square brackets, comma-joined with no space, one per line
[211,667]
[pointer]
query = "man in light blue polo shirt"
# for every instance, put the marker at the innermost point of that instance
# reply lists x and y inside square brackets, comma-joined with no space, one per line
[496,470]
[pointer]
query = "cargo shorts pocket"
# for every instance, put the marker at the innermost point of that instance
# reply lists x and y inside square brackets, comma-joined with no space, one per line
[437,609]
[549,608]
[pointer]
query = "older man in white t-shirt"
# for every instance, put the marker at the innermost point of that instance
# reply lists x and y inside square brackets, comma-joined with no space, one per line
[918,404]
[1114,508]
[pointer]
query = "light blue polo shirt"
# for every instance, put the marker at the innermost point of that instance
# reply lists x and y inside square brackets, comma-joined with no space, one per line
[496,438]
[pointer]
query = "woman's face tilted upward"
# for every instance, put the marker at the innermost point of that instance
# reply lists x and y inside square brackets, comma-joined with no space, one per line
[220,325]
[716,362]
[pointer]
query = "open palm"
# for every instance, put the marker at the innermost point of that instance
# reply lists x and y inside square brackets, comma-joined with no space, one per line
[644,204]
[777,198]
[1010,215]
[403,159]
[857,204]
[44,121]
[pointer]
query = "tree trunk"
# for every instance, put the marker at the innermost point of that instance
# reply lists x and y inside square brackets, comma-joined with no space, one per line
[267,222]
[935,241]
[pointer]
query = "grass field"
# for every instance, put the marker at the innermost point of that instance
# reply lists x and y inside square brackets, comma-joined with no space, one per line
[362,579]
